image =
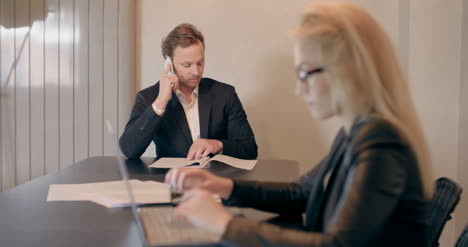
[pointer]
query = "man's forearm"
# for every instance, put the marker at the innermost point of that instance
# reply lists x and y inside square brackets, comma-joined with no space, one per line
[242,149]
[139,133]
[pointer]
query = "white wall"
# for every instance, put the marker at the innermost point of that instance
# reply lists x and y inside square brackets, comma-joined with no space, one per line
[434,66]
[247,46]
[462,169]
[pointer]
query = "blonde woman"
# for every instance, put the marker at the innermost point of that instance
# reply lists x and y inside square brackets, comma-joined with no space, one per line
[373,188]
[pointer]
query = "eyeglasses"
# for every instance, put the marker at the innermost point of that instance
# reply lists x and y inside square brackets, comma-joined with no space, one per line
[304,75]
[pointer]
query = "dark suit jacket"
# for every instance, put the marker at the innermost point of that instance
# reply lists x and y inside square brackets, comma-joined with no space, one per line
[221,117]
[374,197]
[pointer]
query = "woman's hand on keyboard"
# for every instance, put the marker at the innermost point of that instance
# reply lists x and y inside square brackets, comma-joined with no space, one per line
[201,209]
[184,179]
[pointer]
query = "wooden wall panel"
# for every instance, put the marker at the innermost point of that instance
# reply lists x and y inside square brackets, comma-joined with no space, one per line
[96,77]
[66,82]
[81,78]
[8,127]
[37,10]
[52,140]
[60,78]
[126,38]
[22,92]
[110,70]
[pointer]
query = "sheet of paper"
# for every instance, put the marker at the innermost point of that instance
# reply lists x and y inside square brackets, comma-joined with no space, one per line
[111,194]
[177,162]
[238,163]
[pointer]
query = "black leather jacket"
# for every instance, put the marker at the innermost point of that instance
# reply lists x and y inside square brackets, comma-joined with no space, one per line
[366,192]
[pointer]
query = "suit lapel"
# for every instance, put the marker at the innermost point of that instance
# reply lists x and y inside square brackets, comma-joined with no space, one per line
[180,118]
[316,197]
[335,198]
[204,108]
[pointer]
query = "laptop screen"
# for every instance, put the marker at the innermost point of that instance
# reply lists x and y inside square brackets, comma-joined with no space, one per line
[124,173]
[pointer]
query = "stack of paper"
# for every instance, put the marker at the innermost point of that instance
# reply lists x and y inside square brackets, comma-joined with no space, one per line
[111,194]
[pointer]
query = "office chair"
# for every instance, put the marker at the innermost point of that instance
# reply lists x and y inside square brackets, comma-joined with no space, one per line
[463,239]
[445,199]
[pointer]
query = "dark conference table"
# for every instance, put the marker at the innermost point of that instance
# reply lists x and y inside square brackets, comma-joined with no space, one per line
[26,219]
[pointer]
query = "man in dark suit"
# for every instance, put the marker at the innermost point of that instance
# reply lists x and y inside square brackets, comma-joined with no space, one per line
[187,115]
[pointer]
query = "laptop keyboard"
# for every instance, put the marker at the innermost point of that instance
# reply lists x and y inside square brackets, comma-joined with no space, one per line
[162,228]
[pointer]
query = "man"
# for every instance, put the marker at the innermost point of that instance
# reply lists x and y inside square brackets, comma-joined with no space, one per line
[184,114]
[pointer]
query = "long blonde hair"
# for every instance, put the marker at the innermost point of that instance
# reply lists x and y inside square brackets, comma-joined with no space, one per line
[366,76]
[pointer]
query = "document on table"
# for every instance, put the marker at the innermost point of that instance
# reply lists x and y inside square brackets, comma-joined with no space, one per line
[111,194]
[183,162]
[179,162]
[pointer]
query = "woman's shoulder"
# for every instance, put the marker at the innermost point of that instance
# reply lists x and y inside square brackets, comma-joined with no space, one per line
[383,146]
[377,132]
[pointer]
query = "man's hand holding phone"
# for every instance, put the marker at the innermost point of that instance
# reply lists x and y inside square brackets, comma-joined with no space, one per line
[168,83]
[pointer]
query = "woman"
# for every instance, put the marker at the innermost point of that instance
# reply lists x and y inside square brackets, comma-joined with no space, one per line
[373,188]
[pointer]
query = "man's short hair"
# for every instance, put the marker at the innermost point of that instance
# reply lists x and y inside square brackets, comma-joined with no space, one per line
[183,35]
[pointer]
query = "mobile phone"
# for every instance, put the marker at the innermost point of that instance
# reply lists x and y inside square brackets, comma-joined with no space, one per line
[166,62]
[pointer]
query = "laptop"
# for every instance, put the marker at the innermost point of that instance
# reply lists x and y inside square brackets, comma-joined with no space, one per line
[155,223]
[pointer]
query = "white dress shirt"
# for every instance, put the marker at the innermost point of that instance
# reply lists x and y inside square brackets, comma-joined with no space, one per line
[191,112]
